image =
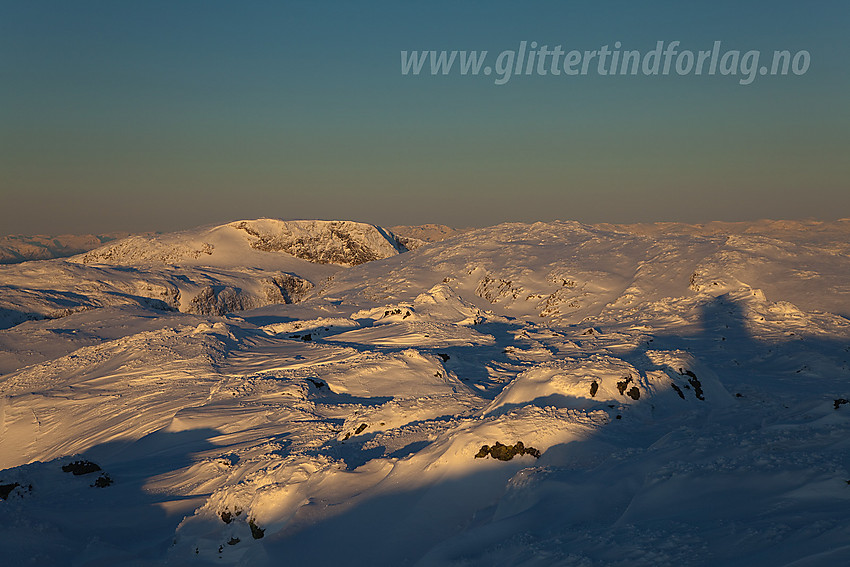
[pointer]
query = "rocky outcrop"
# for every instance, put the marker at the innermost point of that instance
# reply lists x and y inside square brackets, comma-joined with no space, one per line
[344,243]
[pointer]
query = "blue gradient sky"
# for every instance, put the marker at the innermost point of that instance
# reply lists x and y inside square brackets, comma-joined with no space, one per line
[164,115]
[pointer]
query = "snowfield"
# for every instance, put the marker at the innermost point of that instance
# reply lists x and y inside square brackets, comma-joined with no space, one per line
[273,392]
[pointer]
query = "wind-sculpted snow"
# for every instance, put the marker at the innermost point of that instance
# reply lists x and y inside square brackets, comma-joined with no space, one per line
[55,289]
[545,394]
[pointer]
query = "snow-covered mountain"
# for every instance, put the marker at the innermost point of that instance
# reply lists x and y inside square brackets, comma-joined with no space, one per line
[16,248]
[254,242]
[210,270]
[524,394]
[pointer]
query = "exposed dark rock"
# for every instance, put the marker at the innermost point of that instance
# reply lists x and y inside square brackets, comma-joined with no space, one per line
[841,401]
[286,288]
[80,467]
[6,490]
[678,390]
[103,481]
[444,356]
[256,531]
[220,300]
[693,381]
[396,311]
[634,393]
[360,428]
[506,452]
[594,388]
[334,242]
[233,541]
[227,516]
[493,290]
[623,384]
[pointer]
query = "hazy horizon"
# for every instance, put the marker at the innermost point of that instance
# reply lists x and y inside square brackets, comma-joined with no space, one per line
[462,227]
[161,116]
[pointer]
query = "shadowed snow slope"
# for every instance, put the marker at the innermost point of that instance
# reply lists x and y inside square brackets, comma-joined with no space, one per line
[524,394]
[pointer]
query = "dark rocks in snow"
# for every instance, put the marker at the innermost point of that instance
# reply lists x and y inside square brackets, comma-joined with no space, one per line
[693,381]
[256,531]
[84,467]
[678,390]
[6,490]
[286,288]
[103,481]
[493,290]
[218,301]
[78,468]
[233,541]
[594,388]
[444,356]
[623,384]
[634,393]
[840,402]
[396,311]
[360,428]
[506,452]
[227,516]
[335,242]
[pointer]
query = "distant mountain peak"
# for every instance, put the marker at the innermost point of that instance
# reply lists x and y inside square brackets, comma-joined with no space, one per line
[255,242]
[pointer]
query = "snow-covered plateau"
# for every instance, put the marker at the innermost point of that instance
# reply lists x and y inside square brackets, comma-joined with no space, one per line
[271,392]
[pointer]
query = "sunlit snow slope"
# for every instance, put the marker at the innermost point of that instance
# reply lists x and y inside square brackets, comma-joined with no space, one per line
[524,394]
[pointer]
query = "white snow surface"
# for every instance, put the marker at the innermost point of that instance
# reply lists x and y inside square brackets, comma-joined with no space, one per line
[680,393]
